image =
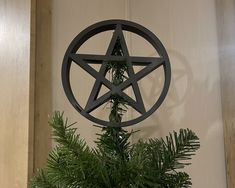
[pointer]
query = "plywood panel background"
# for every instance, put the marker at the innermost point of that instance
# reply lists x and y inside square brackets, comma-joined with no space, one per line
[226,36]
[17,78]
[188,29]
[16,104]
[200,39]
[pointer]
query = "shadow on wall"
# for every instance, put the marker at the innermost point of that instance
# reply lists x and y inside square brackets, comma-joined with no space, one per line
[153,125]
[187,105]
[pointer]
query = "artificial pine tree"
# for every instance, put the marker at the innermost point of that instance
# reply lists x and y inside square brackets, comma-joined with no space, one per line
[115,163]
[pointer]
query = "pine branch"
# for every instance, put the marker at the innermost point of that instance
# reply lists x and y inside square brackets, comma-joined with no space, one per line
[71,163]
[178,149]
[157,160]
[41,180]
[65,135]
[115,162]
[176,180]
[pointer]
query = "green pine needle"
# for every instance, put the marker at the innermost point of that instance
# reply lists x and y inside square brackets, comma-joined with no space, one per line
[116,163]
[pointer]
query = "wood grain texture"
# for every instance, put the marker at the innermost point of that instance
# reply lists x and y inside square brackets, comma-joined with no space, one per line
[32,88]
[16,92]
[42,138]
[226,30]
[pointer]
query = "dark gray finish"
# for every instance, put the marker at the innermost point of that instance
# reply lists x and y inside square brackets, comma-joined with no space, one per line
[83,60]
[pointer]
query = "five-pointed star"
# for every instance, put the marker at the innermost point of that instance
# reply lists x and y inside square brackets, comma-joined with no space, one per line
[150,63]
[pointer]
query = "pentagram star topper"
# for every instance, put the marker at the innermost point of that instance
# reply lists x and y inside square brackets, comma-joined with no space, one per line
[117,52]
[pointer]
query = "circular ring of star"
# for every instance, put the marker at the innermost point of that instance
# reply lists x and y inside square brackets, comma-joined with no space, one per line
[83,60]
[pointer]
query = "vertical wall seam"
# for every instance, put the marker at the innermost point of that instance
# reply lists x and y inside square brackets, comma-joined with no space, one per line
[32,87]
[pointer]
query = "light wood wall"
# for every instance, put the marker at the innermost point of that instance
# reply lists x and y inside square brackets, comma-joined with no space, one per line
[26,147]
[43,93]
[226,34]
[16,93]
[188,29]
[225,16]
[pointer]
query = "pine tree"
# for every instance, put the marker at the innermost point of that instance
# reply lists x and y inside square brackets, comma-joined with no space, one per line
[115,162]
